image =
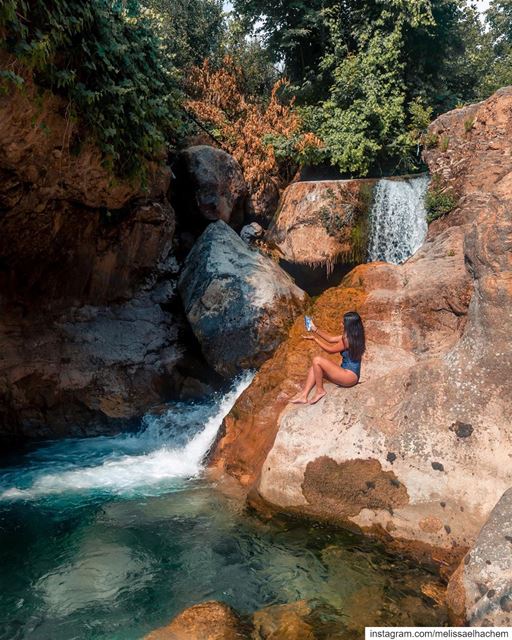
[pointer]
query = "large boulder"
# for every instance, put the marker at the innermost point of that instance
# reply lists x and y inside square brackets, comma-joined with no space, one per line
[323,222]
[480,591]
[211,186]
[419,452]
[239,303]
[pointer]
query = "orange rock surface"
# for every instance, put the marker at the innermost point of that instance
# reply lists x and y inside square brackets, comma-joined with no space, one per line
[315,221]
[205,621]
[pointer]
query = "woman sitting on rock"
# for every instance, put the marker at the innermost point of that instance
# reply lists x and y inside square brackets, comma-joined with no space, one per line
[351,345]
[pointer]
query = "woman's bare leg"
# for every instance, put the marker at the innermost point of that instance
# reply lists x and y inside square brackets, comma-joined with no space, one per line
[302,397]
[333,372]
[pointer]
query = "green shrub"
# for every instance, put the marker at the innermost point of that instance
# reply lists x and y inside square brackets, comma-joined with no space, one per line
[444,143]
[102,56]
[439,200]
[430,140]
[469,124]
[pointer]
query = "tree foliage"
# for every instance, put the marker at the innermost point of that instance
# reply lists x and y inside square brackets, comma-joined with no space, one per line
[364,77]
[370,74]
[103,57]
[266,139]
[189,30]
[257,73]
[496,57]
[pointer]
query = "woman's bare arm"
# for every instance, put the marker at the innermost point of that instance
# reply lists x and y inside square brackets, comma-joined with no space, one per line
[327,336]
[331,347]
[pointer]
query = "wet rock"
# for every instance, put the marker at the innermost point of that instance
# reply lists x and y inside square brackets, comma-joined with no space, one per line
[239,303]
[283,622]
[347,488]
[206,621]
[210,186]
[98,369]
[486,571]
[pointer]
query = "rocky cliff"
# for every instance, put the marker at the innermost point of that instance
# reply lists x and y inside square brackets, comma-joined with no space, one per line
[90,332]
[419,452]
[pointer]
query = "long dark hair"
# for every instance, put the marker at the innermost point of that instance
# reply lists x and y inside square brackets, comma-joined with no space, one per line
[354,333]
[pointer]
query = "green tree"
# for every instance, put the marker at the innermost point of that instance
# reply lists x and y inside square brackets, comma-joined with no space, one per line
[369,74]
[257,71]
[295,34]
[103,57]
[497,70]
[408,60]
[190,30]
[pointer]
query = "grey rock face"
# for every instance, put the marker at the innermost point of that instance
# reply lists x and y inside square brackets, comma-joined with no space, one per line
[238,302]
[251,232]
[212,186]
[87,369]
[480,591]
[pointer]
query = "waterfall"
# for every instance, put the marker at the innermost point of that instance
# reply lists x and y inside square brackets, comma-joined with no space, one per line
[168,447]
[398,219]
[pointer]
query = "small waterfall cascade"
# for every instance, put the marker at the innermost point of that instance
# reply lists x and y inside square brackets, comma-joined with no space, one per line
[169,446]
[398,219]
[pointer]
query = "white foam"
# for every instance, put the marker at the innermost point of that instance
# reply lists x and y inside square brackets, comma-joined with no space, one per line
[398,219]
[126,473]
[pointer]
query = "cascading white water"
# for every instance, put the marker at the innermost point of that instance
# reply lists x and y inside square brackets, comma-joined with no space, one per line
[398,219]
[168,447]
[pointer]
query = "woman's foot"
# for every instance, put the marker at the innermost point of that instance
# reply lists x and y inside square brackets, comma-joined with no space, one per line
[300,398]
[318,396]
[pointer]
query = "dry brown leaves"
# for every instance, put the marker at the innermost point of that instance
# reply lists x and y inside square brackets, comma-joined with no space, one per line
[244,125]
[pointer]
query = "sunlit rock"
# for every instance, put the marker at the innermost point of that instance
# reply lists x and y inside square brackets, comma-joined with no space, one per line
[419,452]
[480,591]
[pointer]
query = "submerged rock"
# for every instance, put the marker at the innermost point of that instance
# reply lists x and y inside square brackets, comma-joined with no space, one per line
[217,621]
[383,456]
[283,622]
[480,591]
[206,621]
[239,302]
[211,186]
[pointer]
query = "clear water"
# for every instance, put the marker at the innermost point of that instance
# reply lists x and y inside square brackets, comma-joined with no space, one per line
[108,538]
[398,219]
